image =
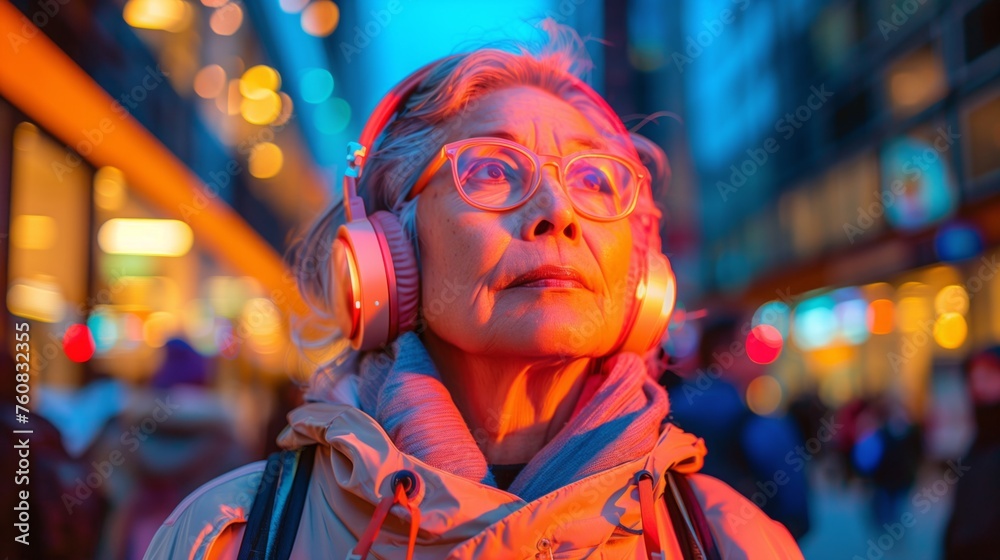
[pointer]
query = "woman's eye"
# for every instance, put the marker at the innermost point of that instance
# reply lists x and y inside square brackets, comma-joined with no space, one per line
[594,181]
[490,171]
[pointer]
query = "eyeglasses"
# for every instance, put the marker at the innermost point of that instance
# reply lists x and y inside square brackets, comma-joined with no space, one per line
[497,174]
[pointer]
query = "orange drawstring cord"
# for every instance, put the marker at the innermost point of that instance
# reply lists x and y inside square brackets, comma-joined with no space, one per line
[400,497]
[650,531]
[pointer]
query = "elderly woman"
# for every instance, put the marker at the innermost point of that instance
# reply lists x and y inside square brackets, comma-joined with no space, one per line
[497,285]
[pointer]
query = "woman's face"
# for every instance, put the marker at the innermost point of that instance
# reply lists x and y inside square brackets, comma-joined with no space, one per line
[472,296]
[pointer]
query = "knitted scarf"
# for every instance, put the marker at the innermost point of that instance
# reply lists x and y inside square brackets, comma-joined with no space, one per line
[404,394]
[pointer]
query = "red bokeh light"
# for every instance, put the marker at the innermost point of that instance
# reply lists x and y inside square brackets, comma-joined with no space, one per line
[764,344]
[78,343]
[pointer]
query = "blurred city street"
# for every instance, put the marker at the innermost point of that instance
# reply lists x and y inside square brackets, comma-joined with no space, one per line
[829,205]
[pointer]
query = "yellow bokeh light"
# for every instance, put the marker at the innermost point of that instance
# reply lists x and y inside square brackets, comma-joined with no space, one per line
[952,299]
[259,81]
[33,232]
[109,188]
[320,18]
[764,395]
[266,160]
[262,110]
[210,81]
[38,299]
[164,15]
[950,330]
[226,20]
[136,236]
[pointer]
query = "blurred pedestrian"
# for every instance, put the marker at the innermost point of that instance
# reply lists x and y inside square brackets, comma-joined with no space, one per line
[974,528]
[890,454]
[170,439]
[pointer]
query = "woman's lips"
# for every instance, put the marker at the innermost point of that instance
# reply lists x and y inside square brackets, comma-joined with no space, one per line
[550,276]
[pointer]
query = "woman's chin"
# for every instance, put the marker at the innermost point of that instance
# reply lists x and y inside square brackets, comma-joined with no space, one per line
[567,326]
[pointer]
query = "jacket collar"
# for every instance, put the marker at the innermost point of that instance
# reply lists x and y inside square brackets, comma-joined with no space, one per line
[461,518]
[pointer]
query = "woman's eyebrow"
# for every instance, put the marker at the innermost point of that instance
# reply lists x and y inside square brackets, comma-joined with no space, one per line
[583,142]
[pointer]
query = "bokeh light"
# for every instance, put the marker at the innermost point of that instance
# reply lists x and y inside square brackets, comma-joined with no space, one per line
[764,343]
[881,316]
[78,343]
[258,81]
[332,115]
[261,110]
[951,299]
[163,15]
[764,395]
[320,18]
[109,188]
[266,160]
[950,331]
[103,324]
[36,298]
[138,236]
[210,81]
[226,20]
[317,85]
[852,320]
[814,324]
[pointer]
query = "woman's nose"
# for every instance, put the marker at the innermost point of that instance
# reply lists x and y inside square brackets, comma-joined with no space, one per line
[550,211]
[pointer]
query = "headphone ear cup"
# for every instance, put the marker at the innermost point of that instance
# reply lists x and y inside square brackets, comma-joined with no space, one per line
[657,295]
[405,295]
[375,282]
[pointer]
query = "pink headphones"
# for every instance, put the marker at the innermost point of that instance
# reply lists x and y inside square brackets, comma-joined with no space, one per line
[375,284]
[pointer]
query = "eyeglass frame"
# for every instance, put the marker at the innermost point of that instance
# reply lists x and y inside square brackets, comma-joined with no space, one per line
[450,151]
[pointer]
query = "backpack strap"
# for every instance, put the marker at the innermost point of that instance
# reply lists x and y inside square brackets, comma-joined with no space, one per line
[693,530]
[277,507]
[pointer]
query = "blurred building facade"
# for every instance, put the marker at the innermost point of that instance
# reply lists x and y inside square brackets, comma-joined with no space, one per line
[844,157]
[103,267]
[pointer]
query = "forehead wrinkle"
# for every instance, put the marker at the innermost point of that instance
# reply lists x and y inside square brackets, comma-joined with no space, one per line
[551,118]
